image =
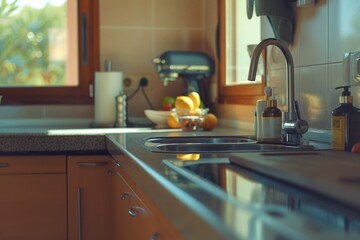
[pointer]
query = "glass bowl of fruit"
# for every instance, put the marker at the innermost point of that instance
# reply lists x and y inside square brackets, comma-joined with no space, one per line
[190,120]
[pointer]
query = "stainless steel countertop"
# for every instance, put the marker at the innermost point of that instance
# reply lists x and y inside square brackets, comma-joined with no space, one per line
[229,219]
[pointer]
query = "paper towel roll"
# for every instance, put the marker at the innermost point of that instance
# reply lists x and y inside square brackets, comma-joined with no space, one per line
[107,86]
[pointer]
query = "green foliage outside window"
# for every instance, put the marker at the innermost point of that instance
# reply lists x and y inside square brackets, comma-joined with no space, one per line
[27,37]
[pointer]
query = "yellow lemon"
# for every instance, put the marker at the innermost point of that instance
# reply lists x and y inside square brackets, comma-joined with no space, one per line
[210,122]
[184,103]
[172,121]
[195,97]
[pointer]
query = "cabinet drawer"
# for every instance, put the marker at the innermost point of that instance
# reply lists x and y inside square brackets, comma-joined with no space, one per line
[32,164]
[120,165]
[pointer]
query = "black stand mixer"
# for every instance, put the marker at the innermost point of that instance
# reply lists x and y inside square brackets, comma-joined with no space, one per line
[192,67]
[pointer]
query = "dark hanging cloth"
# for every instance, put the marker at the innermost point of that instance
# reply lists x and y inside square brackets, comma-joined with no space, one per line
[280,15]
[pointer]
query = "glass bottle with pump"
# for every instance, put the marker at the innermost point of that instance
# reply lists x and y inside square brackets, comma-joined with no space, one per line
[261,105]
[338,123]
[272,122]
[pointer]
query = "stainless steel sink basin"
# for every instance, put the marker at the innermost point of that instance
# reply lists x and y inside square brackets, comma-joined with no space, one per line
[223,147]
[222,144]
[203,139]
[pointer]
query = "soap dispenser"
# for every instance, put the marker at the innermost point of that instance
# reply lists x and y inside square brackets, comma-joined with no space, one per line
[261,105]
[339,126]
[272,121]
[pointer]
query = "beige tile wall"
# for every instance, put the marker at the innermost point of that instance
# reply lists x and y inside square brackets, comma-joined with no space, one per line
[132,33]
[324,32]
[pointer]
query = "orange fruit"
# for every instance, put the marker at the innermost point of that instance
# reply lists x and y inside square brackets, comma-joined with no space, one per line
[210,122]
[172,121]
[195,97]
[184,103]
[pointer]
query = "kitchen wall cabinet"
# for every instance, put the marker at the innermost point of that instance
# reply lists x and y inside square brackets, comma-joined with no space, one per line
[90,211]
[33,197]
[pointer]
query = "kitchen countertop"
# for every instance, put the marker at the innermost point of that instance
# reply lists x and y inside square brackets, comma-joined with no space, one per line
[326,173]
[33,140]
[200,213]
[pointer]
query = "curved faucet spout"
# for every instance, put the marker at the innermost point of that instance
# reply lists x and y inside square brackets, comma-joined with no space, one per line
[293,125]
[289,70]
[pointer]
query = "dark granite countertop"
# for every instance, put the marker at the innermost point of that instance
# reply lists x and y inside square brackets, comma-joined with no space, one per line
[40,140]
[233,219]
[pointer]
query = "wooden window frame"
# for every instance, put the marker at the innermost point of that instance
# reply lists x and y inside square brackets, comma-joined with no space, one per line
[235,94]
[88,25]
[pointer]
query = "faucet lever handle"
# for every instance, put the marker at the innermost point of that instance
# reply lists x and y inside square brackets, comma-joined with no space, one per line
[298,126]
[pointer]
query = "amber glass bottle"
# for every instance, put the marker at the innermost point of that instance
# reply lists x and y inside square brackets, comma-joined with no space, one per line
[339,126]
[272,122]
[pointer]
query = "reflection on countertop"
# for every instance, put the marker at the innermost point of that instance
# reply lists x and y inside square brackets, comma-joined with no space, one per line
[248,187]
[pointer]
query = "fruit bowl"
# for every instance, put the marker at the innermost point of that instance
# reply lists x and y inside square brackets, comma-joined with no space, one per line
[190,120]
[158,117]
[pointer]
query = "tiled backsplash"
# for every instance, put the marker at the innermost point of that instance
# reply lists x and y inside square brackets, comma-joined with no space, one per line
[324,32]
[134,32]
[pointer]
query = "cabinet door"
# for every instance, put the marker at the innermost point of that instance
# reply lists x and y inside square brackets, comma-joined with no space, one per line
[164,230]
[89,197]
[33,202]
[132,218]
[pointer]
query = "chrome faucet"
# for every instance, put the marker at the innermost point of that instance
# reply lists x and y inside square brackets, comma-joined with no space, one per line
[293,125]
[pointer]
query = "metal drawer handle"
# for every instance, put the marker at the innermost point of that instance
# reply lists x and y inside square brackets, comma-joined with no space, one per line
[79,205]
[134,210]
[156,236]
[4,165]
[92,164]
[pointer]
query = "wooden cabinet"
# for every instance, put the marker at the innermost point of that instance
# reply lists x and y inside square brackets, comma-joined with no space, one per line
[33,197]
[134,215]
[131,217]
[90,211]
[75,198]
[164,230]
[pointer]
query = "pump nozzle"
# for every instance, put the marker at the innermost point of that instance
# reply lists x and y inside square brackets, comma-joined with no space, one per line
[345,96]
[346,91]
[268,92]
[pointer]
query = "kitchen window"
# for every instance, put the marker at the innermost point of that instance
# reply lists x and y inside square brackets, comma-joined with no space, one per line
[49,51]
[238,37]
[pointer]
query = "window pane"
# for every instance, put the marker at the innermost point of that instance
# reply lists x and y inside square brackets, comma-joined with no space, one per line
[38,45]
[242,35]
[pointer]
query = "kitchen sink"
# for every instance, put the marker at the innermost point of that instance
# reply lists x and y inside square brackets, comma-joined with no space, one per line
[223,144]
[223,147]
[198,139]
